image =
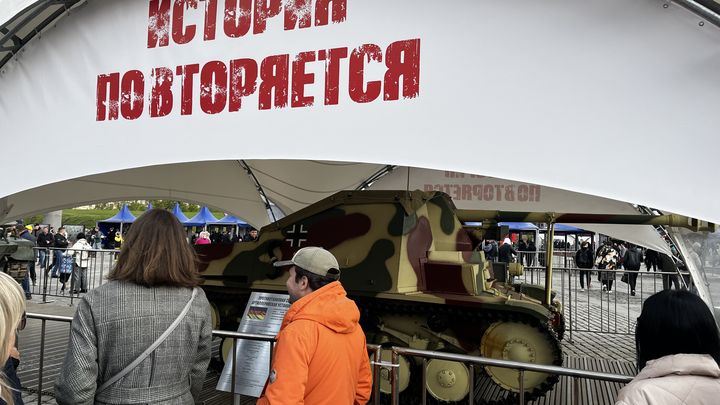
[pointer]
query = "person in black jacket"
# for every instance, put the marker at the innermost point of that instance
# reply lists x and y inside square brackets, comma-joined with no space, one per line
[506,252]
[251,236]
[651,259]
[60,243]
[632,261]
[584,260]
[491,250]
[24,233]
[666,264]
[527,249]
[45,240]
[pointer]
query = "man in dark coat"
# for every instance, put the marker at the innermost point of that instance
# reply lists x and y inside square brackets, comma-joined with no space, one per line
[506,252]
[45,240]
[651,259]
[527,249]
[60,242]
[251,236]
[24,233]
[666,264]
[491,250]
[632,261]
[584,261]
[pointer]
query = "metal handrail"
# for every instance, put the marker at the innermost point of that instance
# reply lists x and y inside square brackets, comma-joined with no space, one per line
[485,361]
[372,348]
[377,364]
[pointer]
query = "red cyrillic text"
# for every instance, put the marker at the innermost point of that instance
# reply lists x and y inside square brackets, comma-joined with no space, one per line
[278,81]
[167,18]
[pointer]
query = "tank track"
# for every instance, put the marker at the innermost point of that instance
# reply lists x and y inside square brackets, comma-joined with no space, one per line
[486,390]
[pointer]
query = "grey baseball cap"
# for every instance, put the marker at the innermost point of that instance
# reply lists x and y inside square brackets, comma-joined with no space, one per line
[316,260]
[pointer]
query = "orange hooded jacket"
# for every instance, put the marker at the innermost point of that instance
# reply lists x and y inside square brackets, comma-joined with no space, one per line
[320,356]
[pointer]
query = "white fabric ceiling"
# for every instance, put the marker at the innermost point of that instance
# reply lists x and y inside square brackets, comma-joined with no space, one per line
[224,185]
[292,185]
[547,199]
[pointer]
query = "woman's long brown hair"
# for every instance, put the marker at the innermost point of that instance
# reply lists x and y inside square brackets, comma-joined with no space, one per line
[156,253]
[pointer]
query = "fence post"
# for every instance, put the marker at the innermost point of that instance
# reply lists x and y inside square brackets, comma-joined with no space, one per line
[45,268]
[376,376]
[395,377]
[471,394]
[423,386]
[576,390]
[521,384]
[234,367]
[42,361]
[570,301]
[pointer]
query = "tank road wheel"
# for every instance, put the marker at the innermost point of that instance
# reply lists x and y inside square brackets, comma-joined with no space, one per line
[409,383]
[517,342]
[385,373]
[447,381]
[226,349]
[215,316]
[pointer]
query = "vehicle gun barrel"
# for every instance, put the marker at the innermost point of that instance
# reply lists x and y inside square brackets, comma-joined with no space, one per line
[565,218]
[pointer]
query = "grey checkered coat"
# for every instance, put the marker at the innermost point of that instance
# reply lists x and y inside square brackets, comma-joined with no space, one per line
[116,322]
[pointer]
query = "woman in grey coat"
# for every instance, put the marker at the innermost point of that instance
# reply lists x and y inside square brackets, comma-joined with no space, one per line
[151,300]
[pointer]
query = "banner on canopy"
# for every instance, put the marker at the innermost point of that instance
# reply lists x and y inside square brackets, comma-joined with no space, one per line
[470,86]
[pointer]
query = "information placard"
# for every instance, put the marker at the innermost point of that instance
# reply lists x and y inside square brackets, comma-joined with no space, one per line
[263,315]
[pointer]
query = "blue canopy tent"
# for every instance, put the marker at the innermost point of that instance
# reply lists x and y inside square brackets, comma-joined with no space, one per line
[519,226]
[203,218]
[562,228]
[562,231]
[179,215]
[514,226]
[124,216]
[230,220]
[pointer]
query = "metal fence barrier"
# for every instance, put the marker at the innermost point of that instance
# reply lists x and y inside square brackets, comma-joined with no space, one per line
[584,311]
[374,351]
[49,282]
[377,364]
[575,374]
[595,310]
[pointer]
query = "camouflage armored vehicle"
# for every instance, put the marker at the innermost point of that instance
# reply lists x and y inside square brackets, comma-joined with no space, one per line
[15,254]
[419,279]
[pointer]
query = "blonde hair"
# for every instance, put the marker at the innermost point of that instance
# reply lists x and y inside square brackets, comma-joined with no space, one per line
[205,234]
[12,307]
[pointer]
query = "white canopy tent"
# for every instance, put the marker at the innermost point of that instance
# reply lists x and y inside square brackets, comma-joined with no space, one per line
[611,85]
[116,91]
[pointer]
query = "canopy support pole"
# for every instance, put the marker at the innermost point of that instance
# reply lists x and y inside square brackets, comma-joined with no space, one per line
[548,261]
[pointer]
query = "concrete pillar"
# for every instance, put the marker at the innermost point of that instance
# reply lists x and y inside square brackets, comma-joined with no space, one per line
[54,219]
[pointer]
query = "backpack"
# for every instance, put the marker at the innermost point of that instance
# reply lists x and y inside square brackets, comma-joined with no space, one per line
[606,258]
[633,261]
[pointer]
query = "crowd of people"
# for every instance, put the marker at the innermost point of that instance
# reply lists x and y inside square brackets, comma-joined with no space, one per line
[63,259]
[205,237]
[124,348]
[606,261]
[60,258]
